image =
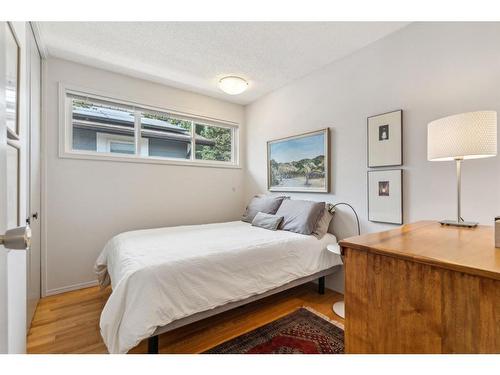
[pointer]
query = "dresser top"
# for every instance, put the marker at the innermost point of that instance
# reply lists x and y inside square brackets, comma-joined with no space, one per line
[469,250]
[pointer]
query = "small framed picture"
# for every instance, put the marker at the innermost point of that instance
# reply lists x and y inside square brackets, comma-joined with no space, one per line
[385,196]
[385,139]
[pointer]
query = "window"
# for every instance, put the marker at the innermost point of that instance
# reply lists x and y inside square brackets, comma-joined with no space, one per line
[213,143]
[119,144]
[117,130]
[96,124]
[169,137]
[121,147]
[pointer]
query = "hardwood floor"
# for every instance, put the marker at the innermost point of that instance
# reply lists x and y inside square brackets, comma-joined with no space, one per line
[69,322]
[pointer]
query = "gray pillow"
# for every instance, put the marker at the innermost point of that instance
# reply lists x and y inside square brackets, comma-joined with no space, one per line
[323,222]
[300,216]
[266,204]
[266,221]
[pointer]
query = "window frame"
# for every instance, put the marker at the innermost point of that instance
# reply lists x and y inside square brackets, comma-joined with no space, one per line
[66,131]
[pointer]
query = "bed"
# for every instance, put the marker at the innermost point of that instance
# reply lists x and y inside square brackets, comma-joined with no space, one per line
[165,278]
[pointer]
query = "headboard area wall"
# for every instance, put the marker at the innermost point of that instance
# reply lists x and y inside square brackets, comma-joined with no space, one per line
[429,70]
[345,222]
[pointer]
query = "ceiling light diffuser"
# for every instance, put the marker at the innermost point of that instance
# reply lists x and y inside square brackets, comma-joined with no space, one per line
[233,85]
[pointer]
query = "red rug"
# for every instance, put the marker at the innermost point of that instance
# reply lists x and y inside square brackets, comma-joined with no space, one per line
[304,331]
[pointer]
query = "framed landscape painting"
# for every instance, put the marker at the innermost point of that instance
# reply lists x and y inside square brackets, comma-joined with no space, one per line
[299,163]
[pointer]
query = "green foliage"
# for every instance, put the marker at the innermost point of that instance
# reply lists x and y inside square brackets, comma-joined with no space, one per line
[309,168]
[221,151]
[275,178]
[81,104]
[184,124]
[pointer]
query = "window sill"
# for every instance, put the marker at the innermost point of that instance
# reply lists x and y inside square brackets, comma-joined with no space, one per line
[147,160]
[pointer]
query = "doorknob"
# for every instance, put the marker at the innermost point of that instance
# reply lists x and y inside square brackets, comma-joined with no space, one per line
[17,238]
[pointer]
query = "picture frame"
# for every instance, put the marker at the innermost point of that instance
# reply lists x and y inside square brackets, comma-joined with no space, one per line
[299,163]
[12,81]
[385,196]
[385,139]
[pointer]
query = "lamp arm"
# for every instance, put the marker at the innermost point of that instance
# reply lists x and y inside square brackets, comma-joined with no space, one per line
[353,210]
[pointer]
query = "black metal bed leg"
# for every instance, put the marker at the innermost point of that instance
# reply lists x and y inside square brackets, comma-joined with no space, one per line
[321,285]
[153,345]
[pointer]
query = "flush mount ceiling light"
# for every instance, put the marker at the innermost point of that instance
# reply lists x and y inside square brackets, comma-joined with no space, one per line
[233,85]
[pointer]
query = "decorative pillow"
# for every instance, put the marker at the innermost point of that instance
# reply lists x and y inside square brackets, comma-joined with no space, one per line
[267,204]
[324,221]
[266,221]
[300,216]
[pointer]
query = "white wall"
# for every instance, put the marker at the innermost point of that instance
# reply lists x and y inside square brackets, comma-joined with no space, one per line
[87,202]
[429,70]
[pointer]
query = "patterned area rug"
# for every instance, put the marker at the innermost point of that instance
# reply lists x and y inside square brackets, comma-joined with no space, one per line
[304,331]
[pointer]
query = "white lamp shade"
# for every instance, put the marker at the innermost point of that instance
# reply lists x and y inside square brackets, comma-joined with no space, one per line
[469,135]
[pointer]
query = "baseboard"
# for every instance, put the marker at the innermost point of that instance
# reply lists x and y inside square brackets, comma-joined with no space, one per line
[89,284]
[69,288]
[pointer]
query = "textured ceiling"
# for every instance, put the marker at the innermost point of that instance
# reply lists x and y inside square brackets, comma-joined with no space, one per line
[195,55]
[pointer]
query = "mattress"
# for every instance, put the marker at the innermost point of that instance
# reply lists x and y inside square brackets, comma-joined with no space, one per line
[164,274]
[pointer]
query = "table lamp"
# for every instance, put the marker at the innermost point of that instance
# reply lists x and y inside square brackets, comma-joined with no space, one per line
[471,135]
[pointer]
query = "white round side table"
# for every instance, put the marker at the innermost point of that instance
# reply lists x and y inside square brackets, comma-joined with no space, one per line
[338,307]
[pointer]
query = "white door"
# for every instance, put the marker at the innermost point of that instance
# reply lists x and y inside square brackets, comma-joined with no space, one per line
[3,197]
[12,265]
[33,257]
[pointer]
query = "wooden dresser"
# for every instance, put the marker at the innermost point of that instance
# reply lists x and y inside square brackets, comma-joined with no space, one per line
[422,288]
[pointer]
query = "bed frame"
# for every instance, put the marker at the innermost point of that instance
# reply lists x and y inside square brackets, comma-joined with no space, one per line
[153,341]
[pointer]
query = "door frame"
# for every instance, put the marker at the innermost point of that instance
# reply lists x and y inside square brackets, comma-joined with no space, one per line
[42,48]
[29,135]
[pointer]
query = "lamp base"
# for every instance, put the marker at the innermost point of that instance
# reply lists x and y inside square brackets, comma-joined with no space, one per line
[454,223]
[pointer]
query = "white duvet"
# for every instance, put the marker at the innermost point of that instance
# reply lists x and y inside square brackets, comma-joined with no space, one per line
[161,275]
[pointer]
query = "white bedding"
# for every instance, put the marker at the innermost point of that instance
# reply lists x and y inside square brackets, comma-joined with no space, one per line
[161,275]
